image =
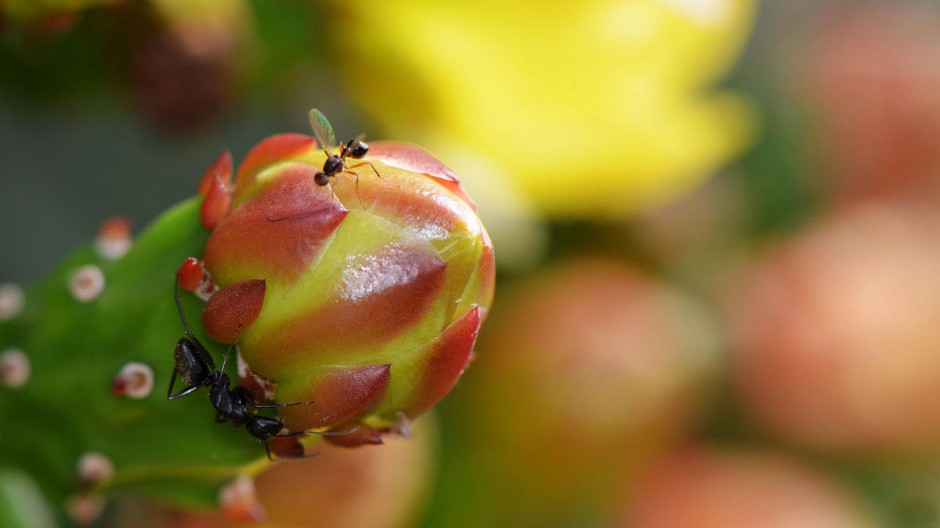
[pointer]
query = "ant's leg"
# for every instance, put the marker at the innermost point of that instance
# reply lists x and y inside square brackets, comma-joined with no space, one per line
[369,163]
[351,430]
[376,171]
[332,194]
[278,405]
[228,351]
[267,446]
[180,394]
[184,392]
[288,435]
[179,306]
[321,433]
[169,390]
[200,349]
[245,396]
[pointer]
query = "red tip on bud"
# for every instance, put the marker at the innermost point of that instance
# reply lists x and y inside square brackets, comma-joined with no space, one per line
[232,309]
[190,274]
[221,168]
[215,206]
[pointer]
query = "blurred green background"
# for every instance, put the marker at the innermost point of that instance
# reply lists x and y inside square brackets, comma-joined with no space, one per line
[715,224]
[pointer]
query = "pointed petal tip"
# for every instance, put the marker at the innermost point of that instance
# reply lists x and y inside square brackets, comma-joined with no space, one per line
[216,204]
[341,394]
[232,309]
[222,167]
[445,359]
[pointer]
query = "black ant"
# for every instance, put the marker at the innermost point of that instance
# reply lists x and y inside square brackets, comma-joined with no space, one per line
[336,163]
[194,364]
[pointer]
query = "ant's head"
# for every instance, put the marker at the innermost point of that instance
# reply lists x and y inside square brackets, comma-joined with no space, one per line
[322,178]
[357,148]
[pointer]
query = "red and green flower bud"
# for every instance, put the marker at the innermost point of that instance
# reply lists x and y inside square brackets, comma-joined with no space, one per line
[365,295]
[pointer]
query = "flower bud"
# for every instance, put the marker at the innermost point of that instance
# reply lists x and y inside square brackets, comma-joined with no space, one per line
[741,488]
[836,334]
[364,296]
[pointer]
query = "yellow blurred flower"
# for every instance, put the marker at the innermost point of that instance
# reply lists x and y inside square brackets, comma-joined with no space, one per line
[593,109]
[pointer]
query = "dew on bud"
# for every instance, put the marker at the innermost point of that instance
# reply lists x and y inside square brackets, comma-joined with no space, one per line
[15,368]
[87,283]
[114,238]
[135,380]
[94,468]
[11,301]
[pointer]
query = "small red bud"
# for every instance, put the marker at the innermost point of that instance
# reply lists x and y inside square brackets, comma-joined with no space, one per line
[190,274]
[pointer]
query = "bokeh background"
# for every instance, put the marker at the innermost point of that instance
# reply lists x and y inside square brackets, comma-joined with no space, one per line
[716,226]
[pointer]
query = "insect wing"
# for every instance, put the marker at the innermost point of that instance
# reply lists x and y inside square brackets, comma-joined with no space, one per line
[322,129]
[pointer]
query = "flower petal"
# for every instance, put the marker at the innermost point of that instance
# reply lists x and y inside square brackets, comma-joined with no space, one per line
[339,394]
[274,149]
[216,204]
[232,309]
[276,234]
[441,362]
